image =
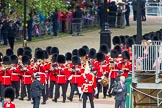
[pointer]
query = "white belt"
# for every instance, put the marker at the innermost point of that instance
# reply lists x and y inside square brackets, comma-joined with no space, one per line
[76,75]
[14,74]
[88,84]
[61,75]
[26,75]
[6,76]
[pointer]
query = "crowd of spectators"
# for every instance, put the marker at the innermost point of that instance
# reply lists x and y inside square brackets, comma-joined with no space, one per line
[78,16]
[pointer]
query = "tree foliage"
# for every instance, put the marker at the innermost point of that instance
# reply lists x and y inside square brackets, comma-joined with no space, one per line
[44,6]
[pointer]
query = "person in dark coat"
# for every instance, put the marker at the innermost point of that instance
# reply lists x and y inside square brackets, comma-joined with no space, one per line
[101,15]
[30,28]
[55,22]
[36,89]
[112,14]
[127,13]
[4,30]
[11,33]
[77,15]
[134,6]
[121,93]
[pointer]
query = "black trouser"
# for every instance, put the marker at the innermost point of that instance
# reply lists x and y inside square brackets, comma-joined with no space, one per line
[90,95]
[112,81]
[99,86]
[23,88]
[44,93]
[16,86]
[63,26]
[73,89]
[127,19]
[36,102]
[4,34]
[119,103]
[67,83]
[57,92]
[134,15]
[52,83]
[11,42]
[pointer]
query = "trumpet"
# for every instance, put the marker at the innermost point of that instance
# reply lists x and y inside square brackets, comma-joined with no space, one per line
[5,67]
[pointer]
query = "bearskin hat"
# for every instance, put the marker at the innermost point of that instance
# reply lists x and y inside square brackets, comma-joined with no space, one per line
[20,51]
[129,42]
[9,93]
[1,57]
[118,48]
[68,56]
[45,54]
[54,50]
[86,48]
[61,59]
[48,49]
[114,54]
[6,60]
[26,60]
[125,55]
[104,49]
[100,56]
[82,52]
[54,58]
[92,53]
[75,52]
[116,40]
[14,59]
[37,49]
[28,49]
[9,52]
[122,39]
[27,53]
[155,38]
[76,60]
[39,54]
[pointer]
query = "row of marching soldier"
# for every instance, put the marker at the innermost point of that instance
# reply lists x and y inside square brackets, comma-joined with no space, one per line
[57,70]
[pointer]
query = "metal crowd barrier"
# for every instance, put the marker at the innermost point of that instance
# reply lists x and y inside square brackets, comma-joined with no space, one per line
[147,60]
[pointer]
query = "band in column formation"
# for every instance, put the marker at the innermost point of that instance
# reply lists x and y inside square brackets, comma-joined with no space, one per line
[69,71]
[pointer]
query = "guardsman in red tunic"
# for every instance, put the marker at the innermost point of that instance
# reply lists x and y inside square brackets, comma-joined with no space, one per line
[26,74]
[87,86]
[104,49]
[15,74]
[9,97]
[1,58]
[75,76]
[114,69]
[6,73]
[102,69]
[52,74]
[61,79]
[68,65]
[126,64]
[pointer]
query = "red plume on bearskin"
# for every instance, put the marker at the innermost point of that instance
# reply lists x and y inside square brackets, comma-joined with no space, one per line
[114,54]
[9,93]
[14,59]
[61,59]
[92,53]
[104,49]
[100,57]
[82,52]
[9,52]
[6,60]
[68,56]
[76,60]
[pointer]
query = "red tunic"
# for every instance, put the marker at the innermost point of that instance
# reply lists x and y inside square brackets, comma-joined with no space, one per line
[87,83]
[6,77]
[9,105]
[15,73]
[27,76]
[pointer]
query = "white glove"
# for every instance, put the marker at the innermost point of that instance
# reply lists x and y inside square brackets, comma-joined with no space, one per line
[96,91]
[99,80]
[80,90]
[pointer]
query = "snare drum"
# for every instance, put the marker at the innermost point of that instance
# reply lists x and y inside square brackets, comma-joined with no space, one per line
[6,80]
[104,81]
